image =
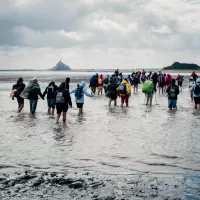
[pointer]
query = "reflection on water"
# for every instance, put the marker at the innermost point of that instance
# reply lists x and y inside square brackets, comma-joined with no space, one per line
[111,140]
[192,187]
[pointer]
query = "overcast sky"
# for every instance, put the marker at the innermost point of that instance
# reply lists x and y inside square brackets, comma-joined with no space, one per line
[99,33]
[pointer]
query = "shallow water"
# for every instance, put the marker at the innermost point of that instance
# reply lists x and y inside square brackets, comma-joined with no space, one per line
[134,140]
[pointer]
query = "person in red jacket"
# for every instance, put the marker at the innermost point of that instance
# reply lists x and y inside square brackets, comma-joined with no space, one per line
[100,84]
[194,76]
[168,80]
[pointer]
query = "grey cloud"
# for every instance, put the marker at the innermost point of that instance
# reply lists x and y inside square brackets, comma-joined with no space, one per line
[41,23]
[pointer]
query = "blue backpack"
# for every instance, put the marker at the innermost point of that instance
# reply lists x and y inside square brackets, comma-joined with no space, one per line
[79,92]
[122,89]
[143,78]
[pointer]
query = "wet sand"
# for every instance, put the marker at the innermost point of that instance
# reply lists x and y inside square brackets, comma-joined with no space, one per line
[139,152]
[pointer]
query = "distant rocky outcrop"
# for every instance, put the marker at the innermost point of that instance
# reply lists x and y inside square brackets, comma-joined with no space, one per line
[182,66]
[60,66]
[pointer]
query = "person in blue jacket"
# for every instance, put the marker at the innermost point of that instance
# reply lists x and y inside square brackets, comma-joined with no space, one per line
[195,89]
[94,83]
[79,93]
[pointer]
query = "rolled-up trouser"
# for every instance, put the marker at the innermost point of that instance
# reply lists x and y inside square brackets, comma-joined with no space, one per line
[33,105]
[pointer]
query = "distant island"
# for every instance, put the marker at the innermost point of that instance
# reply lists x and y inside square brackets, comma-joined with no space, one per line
[182,66]
[60,66]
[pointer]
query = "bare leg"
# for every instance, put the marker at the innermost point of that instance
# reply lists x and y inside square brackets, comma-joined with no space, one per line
[52,111]
[147,102]
[21,106]
[195,106]
[199,106]
[151,101]
[109,102]
[136,88]
[49,110]
[127,102]
[58,117]
[64,116]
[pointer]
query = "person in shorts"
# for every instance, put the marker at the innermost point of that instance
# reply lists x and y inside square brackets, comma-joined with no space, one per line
[196,94]
[149,98]
[79,94]
[63,99]
[111,92]
[173,92]
[124,91]
[51,97]
[18,88]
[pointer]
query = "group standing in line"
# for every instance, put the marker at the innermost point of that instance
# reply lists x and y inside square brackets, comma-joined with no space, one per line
[113,86]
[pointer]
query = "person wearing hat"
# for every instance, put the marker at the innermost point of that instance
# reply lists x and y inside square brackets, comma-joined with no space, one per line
[19,87]
[31,92]
[51,96]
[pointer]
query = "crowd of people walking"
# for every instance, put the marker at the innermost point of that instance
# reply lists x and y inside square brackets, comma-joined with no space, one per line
[114,86]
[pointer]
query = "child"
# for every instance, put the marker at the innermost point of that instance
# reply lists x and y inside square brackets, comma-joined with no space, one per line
[79,93]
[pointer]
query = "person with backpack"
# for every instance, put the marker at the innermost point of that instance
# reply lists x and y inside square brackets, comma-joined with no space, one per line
[149,76]
[124,91]
[94,83]
[51,97]
[191,83]
[130,80]
[111,92]
[31,92]
[168,80]
[148,90]
[194,76]
[79,93]
[18,88]
[105,83]
[63,99]
[155,80]
[161,83]
[100,84]
[172,91]
[117,72]
[196,94]
[143,77]
[136,81]
[179,80]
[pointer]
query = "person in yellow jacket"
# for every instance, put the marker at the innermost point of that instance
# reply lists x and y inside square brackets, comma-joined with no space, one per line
[124,90]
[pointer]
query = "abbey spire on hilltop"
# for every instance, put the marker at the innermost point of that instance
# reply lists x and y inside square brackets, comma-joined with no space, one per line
[60,66]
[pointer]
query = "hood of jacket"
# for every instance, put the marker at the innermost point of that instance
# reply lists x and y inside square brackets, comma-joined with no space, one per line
[83,84]
[198,81]
[101,76]
[124,82]
[169,76]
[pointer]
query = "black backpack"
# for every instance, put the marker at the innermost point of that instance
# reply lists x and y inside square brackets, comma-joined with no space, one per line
[122,89]
[59,97]
[197,90]
[172,92]
[50,89]
[79,92]
[18,90]
[106,81]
